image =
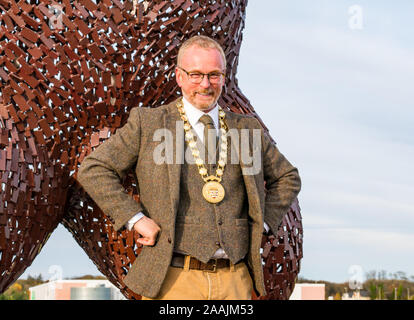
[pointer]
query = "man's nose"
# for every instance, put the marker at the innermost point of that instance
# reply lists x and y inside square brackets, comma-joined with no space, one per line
[205,83]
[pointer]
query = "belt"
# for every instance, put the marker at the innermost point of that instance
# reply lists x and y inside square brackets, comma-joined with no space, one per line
[212,265]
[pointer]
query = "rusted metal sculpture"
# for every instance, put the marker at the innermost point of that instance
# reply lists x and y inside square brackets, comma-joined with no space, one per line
[70,73]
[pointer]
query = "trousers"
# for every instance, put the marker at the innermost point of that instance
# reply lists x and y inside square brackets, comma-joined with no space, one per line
[231,283]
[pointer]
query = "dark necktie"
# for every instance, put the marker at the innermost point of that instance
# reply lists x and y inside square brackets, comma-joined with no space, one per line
[210,140]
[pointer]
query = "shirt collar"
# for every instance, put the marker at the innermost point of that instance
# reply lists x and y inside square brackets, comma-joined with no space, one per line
[194,114]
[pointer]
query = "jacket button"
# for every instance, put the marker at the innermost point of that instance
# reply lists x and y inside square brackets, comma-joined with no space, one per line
[220,222]
[217,243]
[169,240]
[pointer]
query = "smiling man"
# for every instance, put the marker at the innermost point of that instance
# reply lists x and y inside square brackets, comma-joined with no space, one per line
[200,74]
[200,222]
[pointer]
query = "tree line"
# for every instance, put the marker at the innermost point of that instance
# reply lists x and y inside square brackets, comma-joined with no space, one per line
[378,285]
[19,290]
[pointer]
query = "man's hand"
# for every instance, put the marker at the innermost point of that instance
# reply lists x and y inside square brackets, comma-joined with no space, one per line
[148,229]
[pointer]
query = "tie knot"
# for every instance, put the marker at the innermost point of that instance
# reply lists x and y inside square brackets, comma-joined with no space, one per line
[207,121]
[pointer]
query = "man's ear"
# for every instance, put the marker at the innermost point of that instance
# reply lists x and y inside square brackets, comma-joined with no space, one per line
[178,77]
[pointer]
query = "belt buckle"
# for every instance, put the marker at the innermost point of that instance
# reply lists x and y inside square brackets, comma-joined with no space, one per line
[214,266]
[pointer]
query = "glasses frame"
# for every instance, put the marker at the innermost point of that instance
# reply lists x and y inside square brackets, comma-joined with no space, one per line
[223,75]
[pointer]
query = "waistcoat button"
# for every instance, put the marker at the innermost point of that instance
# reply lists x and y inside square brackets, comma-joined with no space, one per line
[217,243]
[169,240]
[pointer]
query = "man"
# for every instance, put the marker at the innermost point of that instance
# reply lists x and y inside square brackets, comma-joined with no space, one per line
[200,222]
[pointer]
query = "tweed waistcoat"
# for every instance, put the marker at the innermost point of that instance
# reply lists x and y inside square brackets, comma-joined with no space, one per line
[203,227]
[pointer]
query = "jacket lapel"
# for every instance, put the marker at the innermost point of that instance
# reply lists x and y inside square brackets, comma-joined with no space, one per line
[173,124]
[249,180]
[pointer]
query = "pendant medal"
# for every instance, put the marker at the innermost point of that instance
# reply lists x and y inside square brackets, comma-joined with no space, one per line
[213,192]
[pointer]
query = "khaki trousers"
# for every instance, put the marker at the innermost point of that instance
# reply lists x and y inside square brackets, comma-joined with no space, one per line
[233,283]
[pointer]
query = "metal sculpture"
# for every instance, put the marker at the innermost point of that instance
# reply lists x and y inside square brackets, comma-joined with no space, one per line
[70,73]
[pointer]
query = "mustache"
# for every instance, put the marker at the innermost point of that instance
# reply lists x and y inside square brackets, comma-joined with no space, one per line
[205,91]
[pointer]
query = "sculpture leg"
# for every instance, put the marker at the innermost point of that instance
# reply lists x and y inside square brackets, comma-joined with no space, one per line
[112,252]
[33,195]
[282,254]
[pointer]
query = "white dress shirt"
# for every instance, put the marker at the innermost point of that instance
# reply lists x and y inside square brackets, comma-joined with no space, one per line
[193,114]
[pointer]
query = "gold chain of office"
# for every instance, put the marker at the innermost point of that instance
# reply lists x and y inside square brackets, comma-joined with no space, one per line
[212,191]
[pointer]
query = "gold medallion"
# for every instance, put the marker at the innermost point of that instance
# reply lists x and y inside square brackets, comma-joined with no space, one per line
[213,192]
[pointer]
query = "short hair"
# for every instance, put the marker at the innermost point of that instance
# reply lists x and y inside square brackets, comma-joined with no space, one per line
[202,42]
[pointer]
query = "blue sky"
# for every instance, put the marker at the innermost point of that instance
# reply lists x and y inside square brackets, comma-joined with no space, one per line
[338,102]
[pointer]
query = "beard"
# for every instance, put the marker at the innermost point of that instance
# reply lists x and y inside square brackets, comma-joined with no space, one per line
[204,99]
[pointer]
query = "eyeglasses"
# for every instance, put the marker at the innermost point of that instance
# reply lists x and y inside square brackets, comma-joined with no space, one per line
[198,77]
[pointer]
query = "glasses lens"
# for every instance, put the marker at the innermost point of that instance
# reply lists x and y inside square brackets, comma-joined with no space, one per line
[214,77]
[196,77]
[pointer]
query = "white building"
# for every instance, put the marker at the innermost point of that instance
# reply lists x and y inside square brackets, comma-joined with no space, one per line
[308,291]
[355,295]
[76,290]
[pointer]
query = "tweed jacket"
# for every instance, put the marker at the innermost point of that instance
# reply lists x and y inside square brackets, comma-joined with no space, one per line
[133,145]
